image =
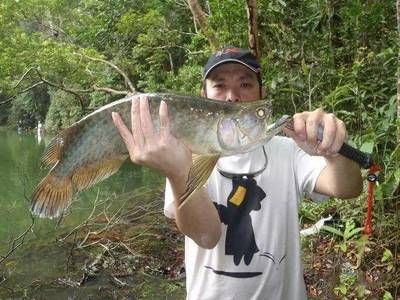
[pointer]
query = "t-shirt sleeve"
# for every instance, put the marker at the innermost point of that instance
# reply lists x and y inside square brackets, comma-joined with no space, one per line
[307,170]
[169,208]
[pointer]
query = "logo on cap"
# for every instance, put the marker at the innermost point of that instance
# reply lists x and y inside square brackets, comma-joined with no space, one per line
[228,50]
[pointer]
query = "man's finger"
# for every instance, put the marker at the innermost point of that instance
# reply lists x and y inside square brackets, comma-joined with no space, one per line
[145,117]
[340,137]
[123,131]
[328,134]
[299,127]
[164,119]
[136,123]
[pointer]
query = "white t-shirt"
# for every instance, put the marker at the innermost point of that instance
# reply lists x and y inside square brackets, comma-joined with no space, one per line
[258,254]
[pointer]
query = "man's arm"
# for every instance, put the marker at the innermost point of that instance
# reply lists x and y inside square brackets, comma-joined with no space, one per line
[341,177]
[160,150]
[197,218]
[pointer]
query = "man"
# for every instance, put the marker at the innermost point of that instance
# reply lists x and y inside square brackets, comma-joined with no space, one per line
[245,245]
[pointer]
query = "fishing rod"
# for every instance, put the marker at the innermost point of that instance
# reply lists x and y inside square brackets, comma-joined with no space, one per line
[363,159]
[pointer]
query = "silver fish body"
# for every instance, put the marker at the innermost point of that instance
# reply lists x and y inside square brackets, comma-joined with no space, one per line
[92,149]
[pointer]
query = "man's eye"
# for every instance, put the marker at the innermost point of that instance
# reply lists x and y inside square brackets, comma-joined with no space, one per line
[218,85]
[246,84]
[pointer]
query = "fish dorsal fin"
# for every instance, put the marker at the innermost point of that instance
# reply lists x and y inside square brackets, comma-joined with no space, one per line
[198,174]
[88,175]
[55,150]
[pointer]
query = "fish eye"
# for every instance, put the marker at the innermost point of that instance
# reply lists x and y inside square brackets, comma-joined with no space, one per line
[261,112]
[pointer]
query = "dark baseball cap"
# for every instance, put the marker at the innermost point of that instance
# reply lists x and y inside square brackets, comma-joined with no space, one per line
[235,55]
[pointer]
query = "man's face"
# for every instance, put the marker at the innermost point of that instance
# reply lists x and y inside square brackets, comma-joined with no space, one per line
[232,82]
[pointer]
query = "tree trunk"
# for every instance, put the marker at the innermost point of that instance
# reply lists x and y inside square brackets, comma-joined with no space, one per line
[200,17]
[398,69]
[254,44]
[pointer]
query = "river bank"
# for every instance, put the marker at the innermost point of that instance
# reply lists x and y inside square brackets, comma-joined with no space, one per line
[134,253]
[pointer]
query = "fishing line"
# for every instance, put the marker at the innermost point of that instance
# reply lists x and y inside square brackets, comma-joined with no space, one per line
[248,175]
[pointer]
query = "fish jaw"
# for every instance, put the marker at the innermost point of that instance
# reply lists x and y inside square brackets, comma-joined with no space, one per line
[246,129]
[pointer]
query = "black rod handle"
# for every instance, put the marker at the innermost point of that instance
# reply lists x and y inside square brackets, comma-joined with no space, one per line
[363,159]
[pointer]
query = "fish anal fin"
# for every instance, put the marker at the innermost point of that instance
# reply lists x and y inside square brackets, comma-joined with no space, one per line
[52,196]
[88,175]
[200,171]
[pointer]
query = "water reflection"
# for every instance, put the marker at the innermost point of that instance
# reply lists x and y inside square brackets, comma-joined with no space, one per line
[39,132]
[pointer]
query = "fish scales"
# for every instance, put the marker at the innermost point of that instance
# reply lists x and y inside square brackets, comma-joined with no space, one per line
[92,149]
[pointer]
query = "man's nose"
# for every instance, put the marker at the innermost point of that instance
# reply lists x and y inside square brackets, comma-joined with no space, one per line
[232,95]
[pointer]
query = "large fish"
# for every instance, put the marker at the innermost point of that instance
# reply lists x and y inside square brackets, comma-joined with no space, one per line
[92,149]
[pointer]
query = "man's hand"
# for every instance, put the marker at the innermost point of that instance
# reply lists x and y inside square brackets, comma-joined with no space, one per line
[341,177]
[160,150]
[157,149]
[305,132]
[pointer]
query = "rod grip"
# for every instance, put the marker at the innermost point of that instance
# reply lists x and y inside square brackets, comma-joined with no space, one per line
[363,159]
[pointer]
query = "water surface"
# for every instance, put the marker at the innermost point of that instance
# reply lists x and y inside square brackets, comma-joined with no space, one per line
[41,257]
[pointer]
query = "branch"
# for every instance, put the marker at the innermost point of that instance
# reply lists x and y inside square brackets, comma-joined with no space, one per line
[200,17]
[62,87]
[75,92]
[18,83]
[110,90]
[17,242]
[42,81]
[122,73]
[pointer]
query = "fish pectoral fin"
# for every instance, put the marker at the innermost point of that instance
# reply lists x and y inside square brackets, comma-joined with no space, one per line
[198,175]
[54,151]
[86,176]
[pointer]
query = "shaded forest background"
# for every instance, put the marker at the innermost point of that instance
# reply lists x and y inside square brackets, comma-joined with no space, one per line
[59,60]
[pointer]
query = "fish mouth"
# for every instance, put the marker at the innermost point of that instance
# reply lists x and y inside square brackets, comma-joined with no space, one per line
[280,123]
[271,130]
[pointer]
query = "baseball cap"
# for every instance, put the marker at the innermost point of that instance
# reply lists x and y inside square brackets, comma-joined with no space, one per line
[232,54]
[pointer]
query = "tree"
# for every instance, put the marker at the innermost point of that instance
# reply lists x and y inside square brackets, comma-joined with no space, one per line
[398,69]
[254,43]
[200,17]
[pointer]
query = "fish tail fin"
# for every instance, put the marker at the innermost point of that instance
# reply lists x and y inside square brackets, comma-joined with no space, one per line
[52,196]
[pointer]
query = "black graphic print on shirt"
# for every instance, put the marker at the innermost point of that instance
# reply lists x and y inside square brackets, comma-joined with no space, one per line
[246,196]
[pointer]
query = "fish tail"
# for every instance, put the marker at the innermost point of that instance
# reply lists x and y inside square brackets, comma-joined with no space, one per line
[52,196]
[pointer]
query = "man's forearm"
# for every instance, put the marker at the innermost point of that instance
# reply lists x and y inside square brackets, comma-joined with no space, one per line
[340,178]
[198,217]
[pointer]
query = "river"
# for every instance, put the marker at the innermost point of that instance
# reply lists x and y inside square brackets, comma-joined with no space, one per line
[40,258]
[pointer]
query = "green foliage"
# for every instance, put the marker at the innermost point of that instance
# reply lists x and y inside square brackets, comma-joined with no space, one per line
[63,111]
[336,54]
[347,234]
[21,112]
[346,283]
[29,108]
[387,296]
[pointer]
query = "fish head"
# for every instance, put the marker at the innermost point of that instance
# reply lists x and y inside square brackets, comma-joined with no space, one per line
[247,127]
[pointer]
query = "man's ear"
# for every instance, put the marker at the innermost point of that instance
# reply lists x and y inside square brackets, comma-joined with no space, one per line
[263,92]
[202,92]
